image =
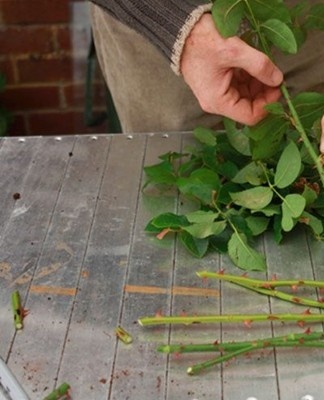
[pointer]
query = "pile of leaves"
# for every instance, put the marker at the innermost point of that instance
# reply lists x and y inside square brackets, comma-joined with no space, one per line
[246,180]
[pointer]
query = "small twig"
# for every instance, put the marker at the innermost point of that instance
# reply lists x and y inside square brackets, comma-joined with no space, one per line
[62,390]
[18,311]
[123,335]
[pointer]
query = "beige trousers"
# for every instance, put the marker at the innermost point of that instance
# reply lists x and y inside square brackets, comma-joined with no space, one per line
[149,97]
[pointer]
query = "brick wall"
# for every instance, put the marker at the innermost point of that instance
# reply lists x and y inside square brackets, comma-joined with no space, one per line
[43,52]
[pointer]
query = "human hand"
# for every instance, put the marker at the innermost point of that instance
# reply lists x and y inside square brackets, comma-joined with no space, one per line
[227,76]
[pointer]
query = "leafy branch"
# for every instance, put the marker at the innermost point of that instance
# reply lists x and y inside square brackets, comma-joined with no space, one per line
[247,180]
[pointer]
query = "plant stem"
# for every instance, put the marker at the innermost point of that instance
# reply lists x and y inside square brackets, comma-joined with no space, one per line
[198,368]
[247,318]
[294,339]
[298,125]
[261,283]
[267,287]
[17,310]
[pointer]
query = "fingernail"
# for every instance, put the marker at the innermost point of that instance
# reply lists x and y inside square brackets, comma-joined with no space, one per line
[277,76]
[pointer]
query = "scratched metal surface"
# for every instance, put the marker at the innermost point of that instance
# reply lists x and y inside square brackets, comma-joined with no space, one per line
[74,246]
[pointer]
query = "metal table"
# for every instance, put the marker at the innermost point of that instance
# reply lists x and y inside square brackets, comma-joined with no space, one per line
[74,246]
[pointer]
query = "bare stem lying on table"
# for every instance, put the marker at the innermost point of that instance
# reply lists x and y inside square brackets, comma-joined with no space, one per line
[246,318]
[267,287]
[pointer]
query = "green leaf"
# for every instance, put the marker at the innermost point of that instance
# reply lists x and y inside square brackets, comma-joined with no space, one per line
[243,255]
[252,173]
[169,220]
[161,173]
[197,247]
[279,34]
[201,216]
[315,18]
[277,229]
[266,137]
[275,108]
[270,210]
[254,199]
[239,222]
[224,194]
[257,225]
[314,223]
[309,107]
[237,137]
[292,207]
[266,9]
[288,167]
[200,185]
[309,195]
[203,230]
[227,15]
[205,135]
[219,243]
[227,169]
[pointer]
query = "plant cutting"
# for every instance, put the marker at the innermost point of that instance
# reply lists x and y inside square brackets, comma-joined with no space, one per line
[244,180]
[233,349]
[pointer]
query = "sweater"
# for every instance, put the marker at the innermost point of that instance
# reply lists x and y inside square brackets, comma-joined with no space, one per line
[165,23]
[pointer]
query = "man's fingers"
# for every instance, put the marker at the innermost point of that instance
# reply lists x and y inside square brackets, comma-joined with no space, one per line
[256,64]
[244,109]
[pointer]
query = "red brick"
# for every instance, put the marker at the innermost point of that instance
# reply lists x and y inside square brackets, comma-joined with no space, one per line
[34,11]
[51,69]
[6,68]
[26,40]
[75,95]
[30,98]
[61,124]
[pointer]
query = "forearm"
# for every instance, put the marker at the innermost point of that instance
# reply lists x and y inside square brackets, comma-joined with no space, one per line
[166,24]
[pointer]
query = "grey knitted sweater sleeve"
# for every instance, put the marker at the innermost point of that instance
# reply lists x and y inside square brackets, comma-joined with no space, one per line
[166,23]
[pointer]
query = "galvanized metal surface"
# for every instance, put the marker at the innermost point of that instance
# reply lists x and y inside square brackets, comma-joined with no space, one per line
[74,246]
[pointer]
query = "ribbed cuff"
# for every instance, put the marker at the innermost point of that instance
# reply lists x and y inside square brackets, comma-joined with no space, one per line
[183,34]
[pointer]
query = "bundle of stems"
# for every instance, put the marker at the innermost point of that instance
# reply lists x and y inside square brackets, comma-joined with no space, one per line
[230,350]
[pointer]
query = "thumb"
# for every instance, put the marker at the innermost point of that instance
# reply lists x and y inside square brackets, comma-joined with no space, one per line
[258,65]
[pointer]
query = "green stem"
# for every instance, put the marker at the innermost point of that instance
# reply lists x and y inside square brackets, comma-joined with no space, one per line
[198,368]
[294,339]
[298,125]
[17,310]
[247,318]
[267,287]
[58,393]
